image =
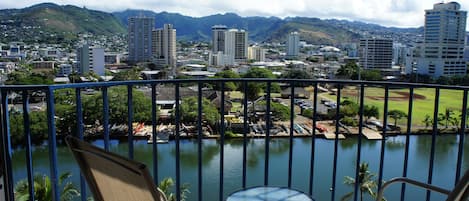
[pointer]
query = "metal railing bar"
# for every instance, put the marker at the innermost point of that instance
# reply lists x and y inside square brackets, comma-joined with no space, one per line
[359,147]
[178,149]
[222,140]
[52,144]
[292,119]
[199,139]
[461,138]
[313,140]
[407,140]
[154,135]
[246,130]
[79,134]
[383,137]
[6,144]
[267,135]
[144,82]
[27,133]
[434,133]
[336,143]
[130,113]
[106,118]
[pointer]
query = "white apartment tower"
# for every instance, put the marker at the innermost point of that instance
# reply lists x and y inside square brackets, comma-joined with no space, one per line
[236,46]
[164,45]
[218,38]
[375,53]
[293,45]
[443,46]
[90,59]
[140,38]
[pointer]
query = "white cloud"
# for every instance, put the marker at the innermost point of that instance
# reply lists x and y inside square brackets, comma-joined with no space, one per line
[401,13]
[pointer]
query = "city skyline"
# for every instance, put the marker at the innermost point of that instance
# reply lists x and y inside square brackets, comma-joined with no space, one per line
[390,13]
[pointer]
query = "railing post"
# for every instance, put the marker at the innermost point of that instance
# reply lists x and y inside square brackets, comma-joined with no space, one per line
[52,143]
[6,170]
[79,134]
[359,145]
[27,133]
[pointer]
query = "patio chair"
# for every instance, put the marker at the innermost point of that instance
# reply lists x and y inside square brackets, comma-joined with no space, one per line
[112,177]
[459,193]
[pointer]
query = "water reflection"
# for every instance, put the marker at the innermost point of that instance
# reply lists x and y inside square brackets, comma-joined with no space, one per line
[445,159]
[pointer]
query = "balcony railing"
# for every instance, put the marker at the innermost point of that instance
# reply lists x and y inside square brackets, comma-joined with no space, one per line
[24,93]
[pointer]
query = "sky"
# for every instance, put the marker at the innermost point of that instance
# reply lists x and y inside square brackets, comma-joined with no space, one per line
[397,13]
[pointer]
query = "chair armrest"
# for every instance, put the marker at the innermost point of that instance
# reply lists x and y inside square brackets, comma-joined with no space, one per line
[410,181]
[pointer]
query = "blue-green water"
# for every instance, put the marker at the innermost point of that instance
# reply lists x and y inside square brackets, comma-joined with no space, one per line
[418,164]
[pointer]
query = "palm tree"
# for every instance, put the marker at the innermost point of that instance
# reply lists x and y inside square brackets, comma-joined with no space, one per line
[167,183]
[365,183]
[43,188]
[447,116]
[427,121]
[396,115]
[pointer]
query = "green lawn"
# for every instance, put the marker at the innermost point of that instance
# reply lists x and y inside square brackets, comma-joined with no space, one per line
[375,96]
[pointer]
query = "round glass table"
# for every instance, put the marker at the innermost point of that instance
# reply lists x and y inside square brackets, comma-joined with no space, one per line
[264,193]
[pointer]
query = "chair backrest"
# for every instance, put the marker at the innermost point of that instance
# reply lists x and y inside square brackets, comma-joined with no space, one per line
[111,176]
[461,190]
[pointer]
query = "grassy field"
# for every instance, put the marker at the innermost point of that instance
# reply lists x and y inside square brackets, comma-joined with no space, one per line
[424,100]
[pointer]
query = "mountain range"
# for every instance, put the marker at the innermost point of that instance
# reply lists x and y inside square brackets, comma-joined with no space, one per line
[68,20]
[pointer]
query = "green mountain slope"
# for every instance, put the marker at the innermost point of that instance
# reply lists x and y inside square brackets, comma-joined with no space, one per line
[64,21]
[49,22]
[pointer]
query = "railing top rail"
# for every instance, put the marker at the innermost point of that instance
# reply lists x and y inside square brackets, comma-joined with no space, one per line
[208,80]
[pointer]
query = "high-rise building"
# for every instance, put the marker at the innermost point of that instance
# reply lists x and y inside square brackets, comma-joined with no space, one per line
[293,45]
[466,50]
[443,45]
[375,53]
[164,45]
[90,59]
[398,54]
[236,46]
[256,53]
[218,38]
[140,38]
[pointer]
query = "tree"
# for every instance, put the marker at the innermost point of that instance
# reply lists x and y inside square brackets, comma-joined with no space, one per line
[43,188]
[278,110]
[167,183]
[348,70]
[447,117]
[396,115]
[349,108]
[132,74]
[298,74]
[255,88]
[427,121]
[93,106]
[370,111]
[38,126]
[366,183]
[370,75]
[229,86]
[189,110]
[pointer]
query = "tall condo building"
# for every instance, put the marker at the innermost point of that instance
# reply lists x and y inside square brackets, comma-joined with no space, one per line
[236,46]
[293,44]
[256,53]
[90,59]
[375,53]
[218,38]
[443,46]
[466,49]
[164,45]
[140,38]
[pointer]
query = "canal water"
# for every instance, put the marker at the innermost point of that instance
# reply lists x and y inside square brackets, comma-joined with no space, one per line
[418,164]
